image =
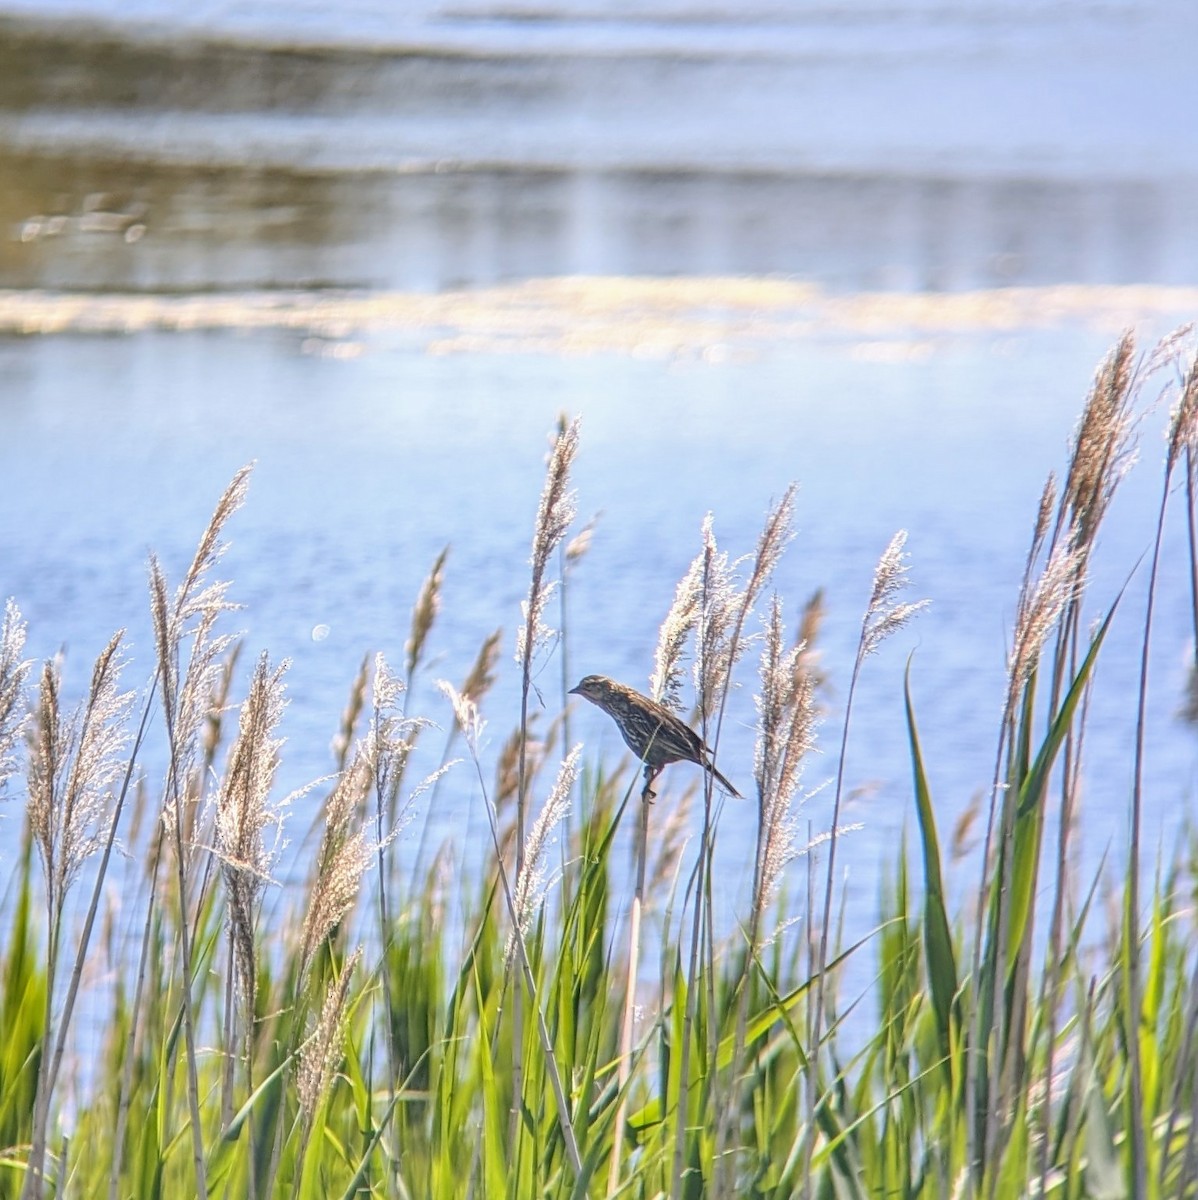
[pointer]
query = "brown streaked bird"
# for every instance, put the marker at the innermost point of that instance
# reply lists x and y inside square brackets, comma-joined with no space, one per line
[653,733]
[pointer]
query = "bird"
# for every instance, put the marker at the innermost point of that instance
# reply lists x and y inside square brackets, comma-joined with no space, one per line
[654,734]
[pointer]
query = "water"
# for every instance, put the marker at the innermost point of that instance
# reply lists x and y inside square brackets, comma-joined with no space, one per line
[303,236]
[896,145]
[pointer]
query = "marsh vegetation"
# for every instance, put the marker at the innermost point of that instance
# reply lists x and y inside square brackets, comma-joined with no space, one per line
[548,1038]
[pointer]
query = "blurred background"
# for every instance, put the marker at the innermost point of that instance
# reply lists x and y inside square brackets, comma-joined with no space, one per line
[427,145]
[876,246]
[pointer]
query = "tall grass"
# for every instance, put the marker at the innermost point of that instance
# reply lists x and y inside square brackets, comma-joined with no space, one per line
[506,1034]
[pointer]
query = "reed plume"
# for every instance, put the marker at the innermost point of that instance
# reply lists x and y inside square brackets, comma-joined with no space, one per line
[531,880]
[74,766]
[13,671]
[344,857]
[244,814]
[191,616]
[554,513]
[786,717]
[665,684]
[424,612]
[322,1051]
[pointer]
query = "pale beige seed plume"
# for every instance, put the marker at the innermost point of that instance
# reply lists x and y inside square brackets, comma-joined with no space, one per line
[392,735]
[577,547]
[811,621]
[345,856]
[13,672]
[1048,503]
[531,881]
[211,548]
[481,678]
[465,712]
[75,763]
[775,536]
[1174,347]
[1042,601]
[507,765]
[786,735]
[244,814]
[320,1055]
[717,614]
[343,740]
[554,514]
[424,612]
[189,620]
[1103,446]
[1183,424]
[665,684]
[884,614]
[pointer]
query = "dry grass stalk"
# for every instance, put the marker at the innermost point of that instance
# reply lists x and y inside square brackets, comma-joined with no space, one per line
[192,614]
[714,623]
[321,1053]
[720,622]
[244,814]
[1042,602]
[665,684]
[424,613]
[341,862]
[1103,448]
[554,514]
[481,678]
[389,743]
[577,547]
[786,734]
[1183,423]
[343,740]
[13,671]
[531,879]
[465,712]
[74,766]
[884,615]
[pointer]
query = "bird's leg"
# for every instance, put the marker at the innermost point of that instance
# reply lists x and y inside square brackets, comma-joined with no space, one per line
[651,773]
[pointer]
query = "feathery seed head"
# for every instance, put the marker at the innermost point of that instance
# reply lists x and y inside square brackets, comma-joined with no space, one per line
[1041,603]
[715,620]
[321,1053]
[786,711]
[665,685]
[74,766]
[465,712]
[345,856]
[13,671]
[530,883]
[1103,445]
[1048,502]
[244,814]
[1183,425]
[482,674]
[554,514]
[884,615]
[424,613]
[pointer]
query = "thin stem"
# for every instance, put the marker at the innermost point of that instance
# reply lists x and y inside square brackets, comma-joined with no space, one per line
[1131,928]
[634,950]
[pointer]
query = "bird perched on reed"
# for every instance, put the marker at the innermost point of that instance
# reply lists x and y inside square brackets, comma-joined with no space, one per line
[652,732]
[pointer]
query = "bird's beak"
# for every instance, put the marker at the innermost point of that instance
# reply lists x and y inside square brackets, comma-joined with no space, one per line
[575,691]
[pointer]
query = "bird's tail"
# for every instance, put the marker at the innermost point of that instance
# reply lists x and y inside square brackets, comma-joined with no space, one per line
[722,781]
